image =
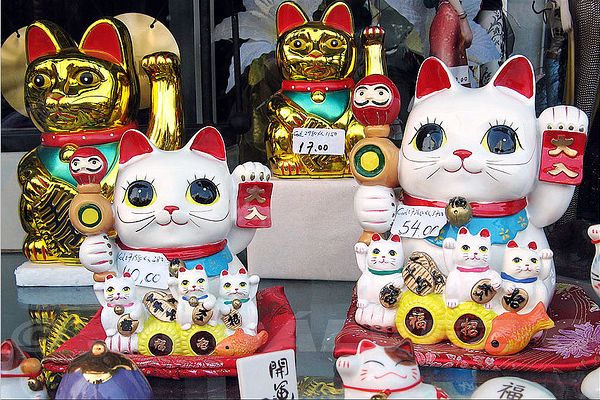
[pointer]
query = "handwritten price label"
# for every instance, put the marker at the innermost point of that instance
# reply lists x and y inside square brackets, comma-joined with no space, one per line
[418,222]
[318,141]
[461,73]
[146,268]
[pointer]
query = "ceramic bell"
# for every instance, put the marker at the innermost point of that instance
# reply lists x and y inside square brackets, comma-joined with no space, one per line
[21,375]
[101,374]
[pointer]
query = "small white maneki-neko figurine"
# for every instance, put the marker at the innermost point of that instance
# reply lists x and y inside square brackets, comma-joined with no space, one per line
[384,372]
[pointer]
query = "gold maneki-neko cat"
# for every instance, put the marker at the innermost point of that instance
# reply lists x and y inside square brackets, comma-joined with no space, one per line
[84,95]
[317,60]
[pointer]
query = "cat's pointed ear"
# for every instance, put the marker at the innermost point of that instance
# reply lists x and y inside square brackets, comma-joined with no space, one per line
[126,275]
[242,271]
[376,237]
[338,16]
[407,346]
[463,230]
[289,16]
[133,144]
[199,267]
[224,273]
[395,238]
[516,74]
[109,276]
[512,244]
[108,39]
[532,246]
[209,141]
[484,233]
[182,269]
[44,38]
[365,345]
[434,76]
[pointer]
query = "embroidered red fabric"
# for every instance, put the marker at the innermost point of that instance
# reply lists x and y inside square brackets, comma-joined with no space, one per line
[276,317]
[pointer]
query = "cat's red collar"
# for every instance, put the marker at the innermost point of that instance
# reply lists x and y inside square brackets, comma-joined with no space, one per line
[385,391]
[323,86]
[85,138]
[495,209]
[182,253]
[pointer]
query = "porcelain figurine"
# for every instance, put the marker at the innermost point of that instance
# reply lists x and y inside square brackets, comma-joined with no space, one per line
[21,375]
[470,277]
[594,234]
[510,387]
[103,374]
[590,386]
[317,60]
[380,284]
[237,301]
[384,372]
[123,314]
[523,272]
[511,332]
[241,344]
[518,173]
[190,289]
[376,103]
[78,96]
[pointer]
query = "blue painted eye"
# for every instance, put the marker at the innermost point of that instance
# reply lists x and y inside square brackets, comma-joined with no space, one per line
[203,191]
[375,251]
[429,137]
[501,139]
[140,193]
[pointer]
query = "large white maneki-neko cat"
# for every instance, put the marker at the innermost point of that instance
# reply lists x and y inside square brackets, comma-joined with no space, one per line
[517,172]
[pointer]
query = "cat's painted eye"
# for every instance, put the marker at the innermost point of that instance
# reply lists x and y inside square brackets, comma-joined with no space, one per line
[185,282]
[140,193]
[465,247]
[333,44]
[392,252]
[41,81]
[299,44]
[243,284]
[126,289]
[375,251]
[534,260]
[227,285]
[201,280]
[110,289]
[429,137]
[203,191]
[517,260]
[87,78]
[483,249]
[501,139]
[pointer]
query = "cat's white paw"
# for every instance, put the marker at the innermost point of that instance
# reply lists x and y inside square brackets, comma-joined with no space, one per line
[449,243]
[361,303]
[488,306]
[594,232]
[546,254]
[110,332]
[451,303]
[375,207]
[398,283]
[251,172]
[209,303]
[361,248]
[509,288]
[185,327]
[563,118]
[254,279]
[496,281]
[98,253]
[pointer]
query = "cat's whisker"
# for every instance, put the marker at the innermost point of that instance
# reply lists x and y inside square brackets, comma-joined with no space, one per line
[431,164]
[149,222]
[208,219]
[432,173]
[200,211]
[492,176]
[142,213]
[499,170]
[133,222]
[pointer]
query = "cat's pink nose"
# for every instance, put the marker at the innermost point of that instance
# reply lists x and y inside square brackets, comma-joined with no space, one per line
[170,209]
[462,153]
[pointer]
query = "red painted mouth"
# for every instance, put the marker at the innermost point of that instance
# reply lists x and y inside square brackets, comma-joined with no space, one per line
[390,373]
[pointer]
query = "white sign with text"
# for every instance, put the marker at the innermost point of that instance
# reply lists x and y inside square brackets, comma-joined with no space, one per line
[418,221]
[268,376]
[319,141]
[146,268]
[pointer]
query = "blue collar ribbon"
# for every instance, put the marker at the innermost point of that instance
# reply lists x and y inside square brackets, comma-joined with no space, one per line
[186,298]
[508,277]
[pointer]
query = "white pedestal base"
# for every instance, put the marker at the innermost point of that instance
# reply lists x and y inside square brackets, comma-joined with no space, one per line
[313,234]
[32,274]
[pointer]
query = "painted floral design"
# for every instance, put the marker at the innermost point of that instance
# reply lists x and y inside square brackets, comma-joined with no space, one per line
[522,222]
[581,341]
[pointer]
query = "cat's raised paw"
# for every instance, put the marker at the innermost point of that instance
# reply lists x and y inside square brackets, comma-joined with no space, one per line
[546,254]
[161,65]
[563,118]
[252,172]
[361,248]
[449,243]
[98,253]
[594,232]
[451,303]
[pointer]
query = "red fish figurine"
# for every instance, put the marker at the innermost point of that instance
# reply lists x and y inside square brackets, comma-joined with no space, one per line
[241,344]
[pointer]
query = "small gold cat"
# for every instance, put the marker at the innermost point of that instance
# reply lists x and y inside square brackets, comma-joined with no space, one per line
[86,95]
[316,59]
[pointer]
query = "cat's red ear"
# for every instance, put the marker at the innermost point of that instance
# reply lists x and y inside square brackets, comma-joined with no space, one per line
[242,271]
[407,345]
[199,267]
[126,275]
[512,244]
[102,40]
[338,16]
[39,43]
[182,269]
[289,16]
[133,143]
[7,351]
[109,276]
[365,345]
[376,237]
[484,233]
[532,245]
[395,238]
[516,74]
[209,141]
[224,273]
[433,77]
[463,231]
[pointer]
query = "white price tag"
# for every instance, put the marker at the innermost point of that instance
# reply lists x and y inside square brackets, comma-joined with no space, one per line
[319,141]
[418,222]
[268,376]
[146,268]
[461,73]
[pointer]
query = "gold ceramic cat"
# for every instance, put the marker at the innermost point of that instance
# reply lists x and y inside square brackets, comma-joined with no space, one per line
[317,61]
[83,95]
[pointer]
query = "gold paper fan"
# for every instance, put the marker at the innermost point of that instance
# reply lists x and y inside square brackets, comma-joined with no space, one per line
[14,64]
[148,36]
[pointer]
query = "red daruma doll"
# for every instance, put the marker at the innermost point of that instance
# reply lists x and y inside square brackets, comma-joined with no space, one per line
[376,104]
